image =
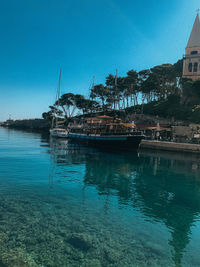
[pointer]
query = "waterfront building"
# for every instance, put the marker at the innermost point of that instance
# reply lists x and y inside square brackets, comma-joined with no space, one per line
[191,60]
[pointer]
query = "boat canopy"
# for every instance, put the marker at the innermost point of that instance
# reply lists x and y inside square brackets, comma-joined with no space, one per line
[129,125]
[102,119]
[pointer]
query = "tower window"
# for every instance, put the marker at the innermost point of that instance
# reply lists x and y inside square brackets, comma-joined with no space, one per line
[190,67]
[195,67]
[194,52]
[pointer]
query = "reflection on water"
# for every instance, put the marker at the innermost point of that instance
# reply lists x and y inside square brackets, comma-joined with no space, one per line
[163,186]
[67,205]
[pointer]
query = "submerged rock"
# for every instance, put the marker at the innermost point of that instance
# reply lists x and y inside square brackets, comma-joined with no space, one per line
[81,241]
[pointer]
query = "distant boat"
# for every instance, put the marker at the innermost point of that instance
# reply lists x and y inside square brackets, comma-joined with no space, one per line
[106,132]
[58,132]
[56,129]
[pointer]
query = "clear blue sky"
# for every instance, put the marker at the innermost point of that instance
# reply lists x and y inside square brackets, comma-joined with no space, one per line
[85,38]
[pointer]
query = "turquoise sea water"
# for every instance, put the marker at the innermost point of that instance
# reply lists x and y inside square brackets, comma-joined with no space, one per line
[62,205]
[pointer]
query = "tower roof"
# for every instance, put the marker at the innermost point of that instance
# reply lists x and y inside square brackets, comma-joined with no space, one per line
[195,34]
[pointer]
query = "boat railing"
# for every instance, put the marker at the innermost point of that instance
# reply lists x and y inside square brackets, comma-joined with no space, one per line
[103,129]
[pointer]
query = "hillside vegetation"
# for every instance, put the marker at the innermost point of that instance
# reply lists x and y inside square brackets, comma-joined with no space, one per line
[159,91]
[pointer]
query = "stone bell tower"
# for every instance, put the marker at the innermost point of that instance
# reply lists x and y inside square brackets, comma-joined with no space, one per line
[191,60]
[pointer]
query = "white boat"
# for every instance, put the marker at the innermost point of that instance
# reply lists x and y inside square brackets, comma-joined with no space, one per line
[56,129]
[59,132]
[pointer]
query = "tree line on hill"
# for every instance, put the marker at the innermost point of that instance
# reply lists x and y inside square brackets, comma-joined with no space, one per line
[160,91]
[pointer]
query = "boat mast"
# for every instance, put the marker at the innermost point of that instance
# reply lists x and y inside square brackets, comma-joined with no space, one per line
[92,89]
[58,90]
[116,78]
[57,99]
[115,88]
[93,82]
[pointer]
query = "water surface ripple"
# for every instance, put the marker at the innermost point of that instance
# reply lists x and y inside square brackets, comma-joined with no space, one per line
[65,205]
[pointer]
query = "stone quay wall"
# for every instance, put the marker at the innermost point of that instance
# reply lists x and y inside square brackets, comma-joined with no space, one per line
[169,146]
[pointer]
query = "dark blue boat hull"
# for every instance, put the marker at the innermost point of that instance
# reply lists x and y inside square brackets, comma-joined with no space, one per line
[130,142]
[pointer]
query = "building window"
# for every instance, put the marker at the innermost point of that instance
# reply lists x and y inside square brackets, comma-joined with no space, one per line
[190,67]
[195,67]
[194,52]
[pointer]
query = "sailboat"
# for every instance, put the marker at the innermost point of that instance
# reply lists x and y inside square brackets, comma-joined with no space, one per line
[56,130]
